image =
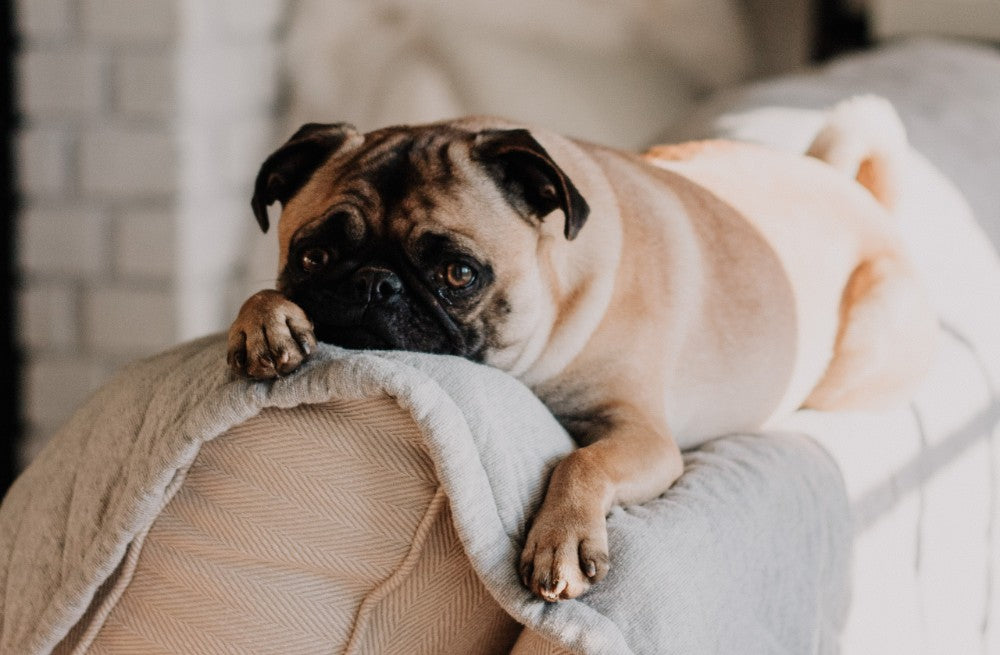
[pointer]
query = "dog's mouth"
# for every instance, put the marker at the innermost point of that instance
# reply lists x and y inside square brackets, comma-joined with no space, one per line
[358,337]
[379,327]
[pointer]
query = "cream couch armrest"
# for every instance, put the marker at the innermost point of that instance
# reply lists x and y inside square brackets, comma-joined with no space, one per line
[532,643]
[319,528]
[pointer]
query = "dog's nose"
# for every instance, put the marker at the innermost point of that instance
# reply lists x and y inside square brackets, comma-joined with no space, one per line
[375,284]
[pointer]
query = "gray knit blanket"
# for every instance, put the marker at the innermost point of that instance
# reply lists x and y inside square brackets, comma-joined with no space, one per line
[747,553]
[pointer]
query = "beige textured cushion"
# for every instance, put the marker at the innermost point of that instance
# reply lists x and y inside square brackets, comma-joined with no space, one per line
[316,529]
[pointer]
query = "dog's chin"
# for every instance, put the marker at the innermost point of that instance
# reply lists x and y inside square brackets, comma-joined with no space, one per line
[362,337]
[357,338]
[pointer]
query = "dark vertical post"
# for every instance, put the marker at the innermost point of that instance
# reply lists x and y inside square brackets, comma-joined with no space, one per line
[10,405]
[838,30]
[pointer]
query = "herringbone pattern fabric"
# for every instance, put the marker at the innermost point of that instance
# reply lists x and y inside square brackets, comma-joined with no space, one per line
[317,529]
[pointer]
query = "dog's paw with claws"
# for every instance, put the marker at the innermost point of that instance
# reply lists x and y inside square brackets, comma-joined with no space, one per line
[564,555]
[270,337]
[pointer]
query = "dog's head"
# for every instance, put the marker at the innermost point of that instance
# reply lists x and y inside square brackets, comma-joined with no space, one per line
[426,238]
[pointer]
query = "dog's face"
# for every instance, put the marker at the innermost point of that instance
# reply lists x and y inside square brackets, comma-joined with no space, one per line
[429,239]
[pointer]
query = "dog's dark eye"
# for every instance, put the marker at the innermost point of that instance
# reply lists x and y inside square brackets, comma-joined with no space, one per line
[458,275]
[314,259]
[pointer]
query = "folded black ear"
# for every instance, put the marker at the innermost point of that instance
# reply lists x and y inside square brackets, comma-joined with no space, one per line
[290,166]
[531,181]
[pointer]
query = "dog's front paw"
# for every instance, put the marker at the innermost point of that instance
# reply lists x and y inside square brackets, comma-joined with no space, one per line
[564,554]
[270,337]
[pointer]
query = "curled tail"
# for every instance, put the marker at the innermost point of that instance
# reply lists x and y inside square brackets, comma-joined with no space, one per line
[864,138]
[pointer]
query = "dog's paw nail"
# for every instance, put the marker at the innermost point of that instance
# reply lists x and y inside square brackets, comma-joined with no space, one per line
[552,595]
[526,571]
[590,569]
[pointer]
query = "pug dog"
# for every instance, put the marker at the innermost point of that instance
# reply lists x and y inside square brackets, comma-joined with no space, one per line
[651,302]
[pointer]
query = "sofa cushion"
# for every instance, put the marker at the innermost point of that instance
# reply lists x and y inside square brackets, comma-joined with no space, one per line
[318,528]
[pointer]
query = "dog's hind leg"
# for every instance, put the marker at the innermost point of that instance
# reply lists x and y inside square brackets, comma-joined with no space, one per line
[885,341]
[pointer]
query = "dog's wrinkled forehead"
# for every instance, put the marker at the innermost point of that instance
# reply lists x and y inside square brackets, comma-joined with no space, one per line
[501,174]
[393,169]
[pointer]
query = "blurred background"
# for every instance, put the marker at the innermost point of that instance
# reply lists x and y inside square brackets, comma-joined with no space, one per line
[134,128]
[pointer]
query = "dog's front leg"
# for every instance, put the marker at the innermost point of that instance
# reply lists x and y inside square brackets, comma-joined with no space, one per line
[567,546]
[270,337]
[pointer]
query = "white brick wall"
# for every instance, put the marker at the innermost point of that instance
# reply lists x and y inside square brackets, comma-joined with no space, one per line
[48,318]
[128,321]
[43,161]
[122,208]
[137,22]
[145,244]
[62,241]
[144,85]
[44,19]
[124,163]
[69,82]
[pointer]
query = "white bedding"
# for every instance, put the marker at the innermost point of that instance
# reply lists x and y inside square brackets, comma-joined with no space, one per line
[924,481]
